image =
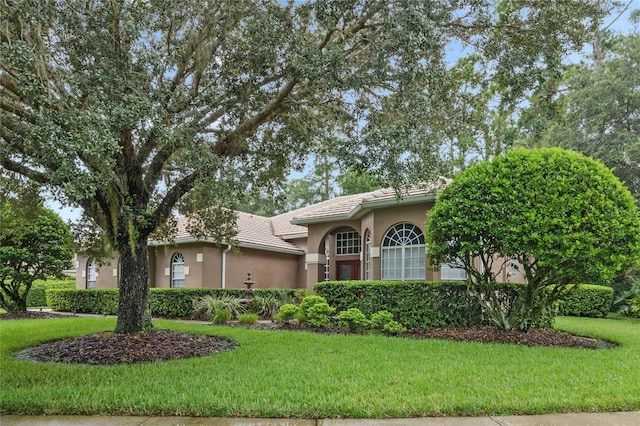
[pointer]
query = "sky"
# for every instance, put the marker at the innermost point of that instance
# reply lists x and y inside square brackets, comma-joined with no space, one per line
[621,25]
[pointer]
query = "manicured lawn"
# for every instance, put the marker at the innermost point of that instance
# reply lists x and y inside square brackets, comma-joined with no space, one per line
[282,374]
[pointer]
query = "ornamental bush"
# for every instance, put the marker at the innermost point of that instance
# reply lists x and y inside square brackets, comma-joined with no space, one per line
[379,319]
[587,301]
[354,319]
[563,217]
[287,312]
[307,303]
[319,315]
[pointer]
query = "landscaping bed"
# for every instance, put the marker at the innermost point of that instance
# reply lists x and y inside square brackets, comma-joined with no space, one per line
[160,345]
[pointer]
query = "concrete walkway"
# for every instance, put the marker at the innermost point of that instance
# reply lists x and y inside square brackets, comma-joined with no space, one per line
[575,419]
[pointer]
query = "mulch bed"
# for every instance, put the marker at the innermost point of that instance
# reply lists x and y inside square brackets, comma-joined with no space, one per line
[478,333]
[110,348]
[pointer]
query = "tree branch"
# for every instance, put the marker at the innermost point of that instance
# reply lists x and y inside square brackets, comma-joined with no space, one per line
[34,175]
[163,210]
[227,146]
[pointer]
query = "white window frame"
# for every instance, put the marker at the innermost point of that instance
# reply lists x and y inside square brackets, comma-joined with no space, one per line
[92,274]
[403,253]
[347,243]
[367,255]
[451,272]
[177,270]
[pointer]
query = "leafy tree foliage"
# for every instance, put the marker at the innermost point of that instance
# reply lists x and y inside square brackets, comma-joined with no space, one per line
[133,110]
[564,218]
[599,115]
[34,244]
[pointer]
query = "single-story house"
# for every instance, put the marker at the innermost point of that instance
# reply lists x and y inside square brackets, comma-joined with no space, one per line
[370,236]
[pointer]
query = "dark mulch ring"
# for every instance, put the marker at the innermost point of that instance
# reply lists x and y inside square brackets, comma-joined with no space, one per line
[479,333]
[110,348]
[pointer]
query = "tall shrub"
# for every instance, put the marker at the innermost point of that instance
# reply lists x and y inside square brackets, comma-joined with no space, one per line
[562,217]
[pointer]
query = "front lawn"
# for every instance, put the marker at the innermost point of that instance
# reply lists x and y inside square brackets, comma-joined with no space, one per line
[290,374]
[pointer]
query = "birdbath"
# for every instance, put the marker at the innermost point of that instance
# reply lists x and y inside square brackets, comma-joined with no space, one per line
[249,282]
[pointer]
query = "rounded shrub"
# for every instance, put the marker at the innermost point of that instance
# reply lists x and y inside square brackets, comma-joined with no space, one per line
[394,327]
[354,319]
[379,319]
[319,315]
[307,303]
[287,312]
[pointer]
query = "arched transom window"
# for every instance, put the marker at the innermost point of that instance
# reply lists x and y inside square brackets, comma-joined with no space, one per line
[403,255]
[177,270]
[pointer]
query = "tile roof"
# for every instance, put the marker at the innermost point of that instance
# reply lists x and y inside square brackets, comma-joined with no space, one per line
[272,233]
[253,232]
[353,206]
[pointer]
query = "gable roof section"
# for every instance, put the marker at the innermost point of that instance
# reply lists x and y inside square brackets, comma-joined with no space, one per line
[272,234]
[355,206]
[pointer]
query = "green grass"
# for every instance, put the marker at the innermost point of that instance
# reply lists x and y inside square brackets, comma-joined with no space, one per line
[288,374]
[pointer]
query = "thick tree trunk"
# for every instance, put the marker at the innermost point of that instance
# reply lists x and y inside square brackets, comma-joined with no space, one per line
[134,309]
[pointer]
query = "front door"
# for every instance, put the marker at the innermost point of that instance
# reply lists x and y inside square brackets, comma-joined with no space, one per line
[348,270]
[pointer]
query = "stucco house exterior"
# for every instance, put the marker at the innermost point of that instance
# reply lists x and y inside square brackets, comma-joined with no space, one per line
[369,236]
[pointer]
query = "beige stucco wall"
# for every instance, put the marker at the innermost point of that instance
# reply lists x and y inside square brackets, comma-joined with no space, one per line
[268,269]
[107,274]
[194,269]
[378,222]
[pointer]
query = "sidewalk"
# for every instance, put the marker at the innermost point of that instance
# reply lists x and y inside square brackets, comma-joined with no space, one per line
[631,418]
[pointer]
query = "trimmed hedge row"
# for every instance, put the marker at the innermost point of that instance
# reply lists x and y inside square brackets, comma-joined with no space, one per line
[165,302]
[437,304]
[37,294]
[412,303]
[587,301]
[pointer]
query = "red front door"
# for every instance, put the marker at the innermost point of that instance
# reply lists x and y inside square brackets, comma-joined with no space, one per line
[348,270]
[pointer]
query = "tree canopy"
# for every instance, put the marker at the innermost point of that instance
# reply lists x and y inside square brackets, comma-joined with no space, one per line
[599,112]
[133,110]
[564,218]
[34,244]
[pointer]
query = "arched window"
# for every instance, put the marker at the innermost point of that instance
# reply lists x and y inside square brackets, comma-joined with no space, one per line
[177,270]
[403,255]
[367,255]
[92,273]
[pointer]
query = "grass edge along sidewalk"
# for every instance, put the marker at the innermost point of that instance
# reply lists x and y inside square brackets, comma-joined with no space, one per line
[303,375]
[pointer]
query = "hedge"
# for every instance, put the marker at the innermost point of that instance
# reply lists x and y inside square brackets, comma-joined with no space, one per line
[418,303]
[37,296]
[587,301]
[412,303]
[165,302]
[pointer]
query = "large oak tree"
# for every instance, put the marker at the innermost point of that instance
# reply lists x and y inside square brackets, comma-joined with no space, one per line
[131,109]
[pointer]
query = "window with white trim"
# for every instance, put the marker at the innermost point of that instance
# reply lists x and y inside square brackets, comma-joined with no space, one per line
[367,255]
[452,272]
[177,270]
[403,253]
[92,273]
[327,263]
[347,242]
